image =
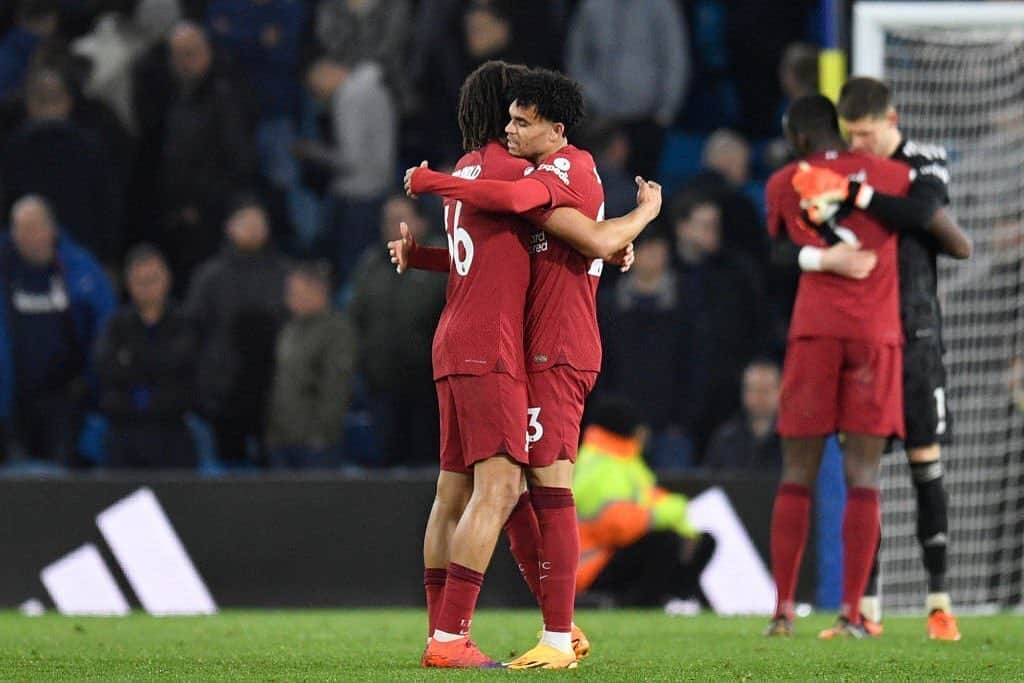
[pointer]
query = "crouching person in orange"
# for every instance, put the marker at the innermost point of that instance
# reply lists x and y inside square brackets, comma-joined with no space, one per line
[637,546]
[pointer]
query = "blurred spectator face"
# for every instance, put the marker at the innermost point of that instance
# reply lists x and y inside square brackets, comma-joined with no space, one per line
[248,229]
[396,210]
[324,78]
[39,16]
[798,70]
[33,232]
[651,258]
[191,55]
[47,97]
[149,282]
[701,232]
[487,33]
[305,295]
[729,154]
[873,134]
[761,391]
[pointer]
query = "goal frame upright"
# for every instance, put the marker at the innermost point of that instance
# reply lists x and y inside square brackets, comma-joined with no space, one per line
[871,19]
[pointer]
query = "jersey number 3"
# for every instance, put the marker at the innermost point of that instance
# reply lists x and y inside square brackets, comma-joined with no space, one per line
[460,244]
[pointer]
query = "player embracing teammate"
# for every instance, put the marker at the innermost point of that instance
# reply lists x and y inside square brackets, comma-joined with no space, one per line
[827,199]
[558,191]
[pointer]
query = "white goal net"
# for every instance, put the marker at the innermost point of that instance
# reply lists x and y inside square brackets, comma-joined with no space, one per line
[963,87]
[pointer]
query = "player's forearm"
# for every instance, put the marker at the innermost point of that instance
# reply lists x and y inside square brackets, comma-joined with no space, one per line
[951,238]
[616,233]
[499,196]
[429,258]
[901,214]
[598,239]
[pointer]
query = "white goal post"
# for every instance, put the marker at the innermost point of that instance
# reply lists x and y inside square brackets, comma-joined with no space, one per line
[956,70]
[871,19]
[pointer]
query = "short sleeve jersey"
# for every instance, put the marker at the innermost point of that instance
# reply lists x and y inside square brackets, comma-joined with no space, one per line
[481,326]
[829,305]
[561,306]
[918,250]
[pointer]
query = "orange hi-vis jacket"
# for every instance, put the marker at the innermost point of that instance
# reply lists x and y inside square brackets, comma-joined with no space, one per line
[617,501]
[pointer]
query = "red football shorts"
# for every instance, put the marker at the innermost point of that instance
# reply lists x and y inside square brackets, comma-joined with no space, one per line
[840,385]
[557,396]
[481,416]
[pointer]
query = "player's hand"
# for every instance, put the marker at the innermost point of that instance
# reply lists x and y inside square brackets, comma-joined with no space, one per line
[401,249]
[848,260]
[822,191]
[648,193]
[623,258]
[408,178]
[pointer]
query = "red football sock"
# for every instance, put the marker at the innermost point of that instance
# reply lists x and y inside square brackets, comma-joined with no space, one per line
[433,583]
[523,532]
[461,590]
[860,538]
[791,519]
[559,555]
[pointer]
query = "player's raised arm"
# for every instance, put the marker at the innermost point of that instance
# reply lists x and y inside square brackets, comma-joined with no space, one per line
[601,239]
[498,196]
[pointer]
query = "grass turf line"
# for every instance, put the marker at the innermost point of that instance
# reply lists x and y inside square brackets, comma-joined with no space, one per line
[385,644]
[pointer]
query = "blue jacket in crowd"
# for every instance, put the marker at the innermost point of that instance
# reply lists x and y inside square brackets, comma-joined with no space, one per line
[91,297]
[16,49]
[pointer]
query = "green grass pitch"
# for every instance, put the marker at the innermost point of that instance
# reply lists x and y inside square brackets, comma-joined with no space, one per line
[371,645]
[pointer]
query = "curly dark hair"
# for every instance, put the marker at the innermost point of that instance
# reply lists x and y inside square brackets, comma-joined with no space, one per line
[483,103]
[557,97]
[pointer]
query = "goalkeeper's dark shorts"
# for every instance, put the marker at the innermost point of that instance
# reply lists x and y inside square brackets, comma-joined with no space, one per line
[926,413]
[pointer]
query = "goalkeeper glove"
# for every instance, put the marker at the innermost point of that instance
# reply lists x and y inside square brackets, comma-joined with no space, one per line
[825,193]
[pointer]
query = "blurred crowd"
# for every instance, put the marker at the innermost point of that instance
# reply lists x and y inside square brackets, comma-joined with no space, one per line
[196,195]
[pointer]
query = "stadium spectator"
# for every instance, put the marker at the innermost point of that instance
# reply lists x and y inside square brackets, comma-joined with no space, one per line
[637,545]
[52,156]
[610,147]
[644,312]
[725,174]
[145,363]
[237,302]
[722,293]
[798,71]
[748,441]
[123,31]
[316,353]
[36,22]
[361,156]
[55,300]
[206,150]
[263,41]
[757,33]
[354,31]
[394,348]
[632,59]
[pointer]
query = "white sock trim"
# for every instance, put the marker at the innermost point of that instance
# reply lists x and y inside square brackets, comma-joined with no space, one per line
[940,601]
[445,637]
[871,608]
[560,641]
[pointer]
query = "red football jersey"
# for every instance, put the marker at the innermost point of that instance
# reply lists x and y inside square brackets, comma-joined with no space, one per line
[829,305]
[561,305]
[481,327]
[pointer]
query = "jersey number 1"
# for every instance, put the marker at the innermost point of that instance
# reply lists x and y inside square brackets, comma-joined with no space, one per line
[458,237]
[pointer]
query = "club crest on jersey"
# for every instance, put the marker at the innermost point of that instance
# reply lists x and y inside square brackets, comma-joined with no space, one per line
[538,242]
[468,172]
